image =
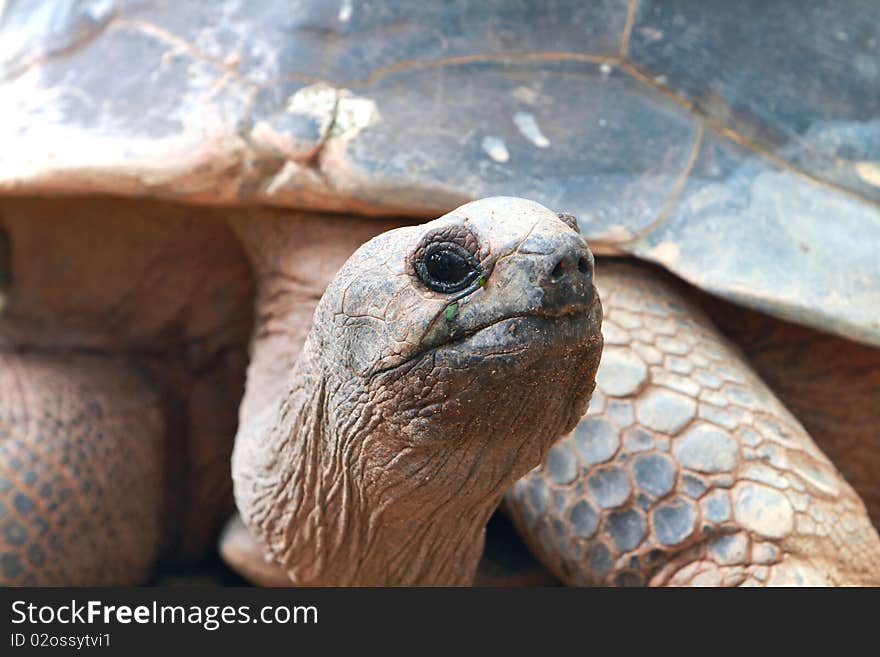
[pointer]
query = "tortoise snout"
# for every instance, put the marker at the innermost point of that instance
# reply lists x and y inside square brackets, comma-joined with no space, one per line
[577,265]
[568,281]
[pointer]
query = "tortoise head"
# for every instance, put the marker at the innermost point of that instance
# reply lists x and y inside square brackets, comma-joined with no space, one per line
[443,362]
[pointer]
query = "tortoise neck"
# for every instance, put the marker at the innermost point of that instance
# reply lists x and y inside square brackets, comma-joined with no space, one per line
[306,488]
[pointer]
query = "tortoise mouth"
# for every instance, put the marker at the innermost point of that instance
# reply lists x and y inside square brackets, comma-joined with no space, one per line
[540,331]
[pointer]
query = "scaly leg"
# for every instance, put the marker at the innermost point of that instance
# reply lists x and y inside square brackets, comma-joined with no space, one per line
[168,289]
[831,384]
[81,471]
[687,470]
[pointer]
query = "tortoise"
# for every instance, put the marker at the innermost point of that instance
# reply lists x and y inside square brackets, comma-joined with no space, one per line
[182,183]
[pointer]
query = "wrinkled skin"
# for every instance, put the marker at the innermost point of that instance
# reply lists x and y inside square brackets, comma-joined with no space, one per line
[405,420]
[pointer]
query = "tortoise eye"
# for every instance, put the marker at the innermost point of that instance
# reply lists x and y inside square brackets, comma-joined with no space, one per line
[447,267]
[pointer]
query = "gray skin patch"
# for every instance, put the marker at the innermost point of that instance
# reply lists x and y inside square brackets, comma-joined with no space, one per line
[762,510]
[718,416]
[584,519]
[730,549]
[637,439]
[813,473]
[707,379]
[665,411]
[41,525]
[36,555]
[654,473]
[561,464]
[627,528]
[621,412]
[621,373]
[643,501]
[610,486]
[765,553]
[23,504]
[10,564]
[560,536]
[560,501]
[674,521]
[614,335]
[741,396]
[707,449]
[748,437]
[548,540]
[15,533]
[716,507]
[693,486]
[538,495]
[600,560]
[596,440]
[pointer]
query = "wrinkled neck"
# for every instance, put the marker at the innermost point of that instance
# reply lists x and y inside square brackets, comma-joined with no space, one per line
[305,491]
[443,550]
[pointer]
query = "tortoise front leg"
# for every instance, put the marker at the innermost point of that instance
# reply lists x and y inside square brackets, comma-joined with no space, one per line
[832,386]
[687,470]
[81,470]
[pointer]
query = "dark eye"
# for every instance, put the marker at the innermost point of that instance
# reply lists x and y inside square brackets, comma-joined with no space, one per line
[447,267]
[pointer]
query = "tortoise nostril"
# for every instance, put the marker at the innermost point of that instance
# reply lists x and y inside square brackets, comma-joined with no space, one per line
[584,265]
[567,284]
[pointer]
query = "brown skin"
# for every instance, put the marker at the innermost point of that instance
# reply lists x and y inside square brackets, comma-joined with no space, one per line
[122,344]
[402,428]
[505,562]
